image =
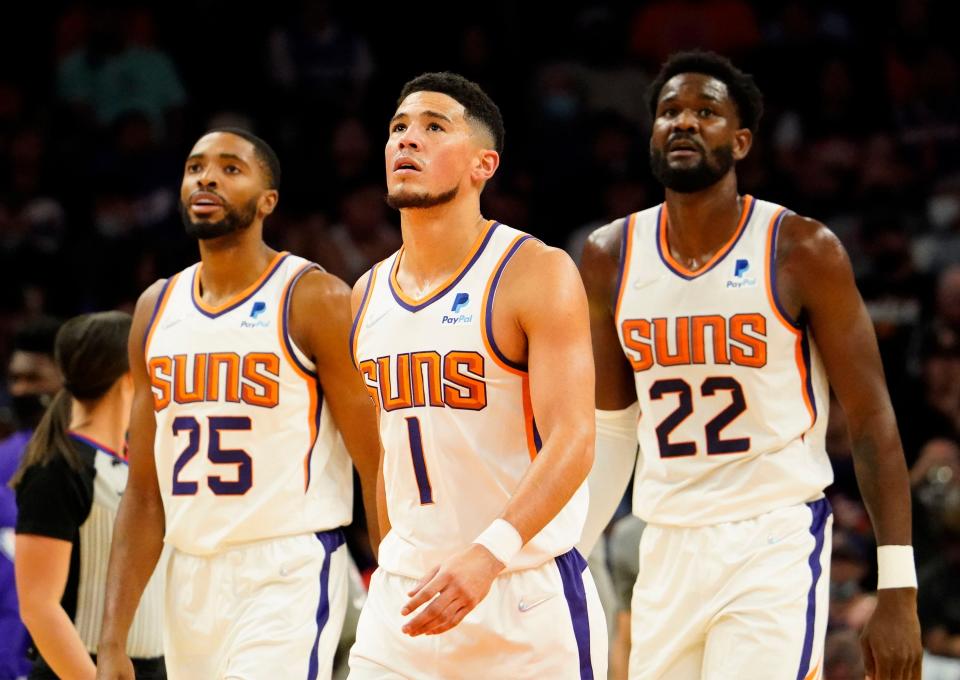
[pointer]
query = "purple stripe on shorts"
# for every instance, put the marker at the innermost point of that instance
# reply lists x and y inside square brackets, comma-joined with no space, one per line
[331,540]
[821,511]
[571,565]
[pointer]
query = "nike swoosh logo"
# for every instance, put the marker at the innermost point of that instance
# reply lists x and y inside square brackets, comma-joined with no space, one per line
[377,318]
[642,283]
[527,606]
[174,322]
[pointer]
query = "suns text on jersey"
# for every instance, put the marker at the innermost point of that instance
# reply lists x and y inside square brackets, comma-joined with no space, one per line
[453,380]
[253,378]
[739,339]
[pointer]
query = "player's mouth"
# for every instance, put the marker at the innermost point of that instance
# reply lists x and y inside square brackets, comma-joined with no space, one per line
[683,148]
[405,165]
[205,203]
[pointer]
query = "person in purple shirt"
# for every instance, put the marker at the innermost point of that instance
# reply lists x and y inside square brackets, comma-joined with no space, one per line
[32,380]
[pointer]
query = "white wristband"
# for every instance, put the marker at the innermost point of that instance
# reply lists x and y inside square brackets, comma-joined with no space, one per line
[895,568]
[502,540]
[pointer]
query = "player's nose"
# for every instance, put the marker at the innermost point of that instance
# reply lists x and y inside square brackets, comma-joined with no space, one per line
[409,140]
[686,120]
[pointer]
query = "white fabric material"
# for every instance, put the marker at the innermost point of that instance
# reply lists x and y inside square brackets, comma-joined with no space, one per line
[895,567]
[613,463]
[502,540]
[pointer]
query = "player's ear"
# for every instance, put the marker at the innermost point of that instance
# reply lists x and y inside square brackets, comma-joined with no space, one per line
[268,201]
[486,163]
[742,141]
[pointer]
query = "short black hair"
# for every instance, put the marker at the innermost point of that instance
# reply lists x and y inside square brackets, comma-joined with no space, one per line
[476,103]
[265,154]
[743,89]
[37,336]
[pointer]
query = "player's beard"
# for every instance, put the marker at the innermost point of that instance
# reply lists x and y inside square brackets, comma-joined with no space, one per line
[712,167]
[405,199]
[233,220]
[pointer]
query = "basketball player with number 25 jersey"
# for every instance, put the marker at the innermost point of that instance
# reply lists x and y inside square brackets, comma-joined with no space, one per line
[243,389]
[722,316]
[473,340]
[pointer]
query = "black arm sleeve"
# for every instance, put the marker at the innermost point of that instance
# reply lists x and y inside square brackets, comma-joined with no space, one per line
[54,500]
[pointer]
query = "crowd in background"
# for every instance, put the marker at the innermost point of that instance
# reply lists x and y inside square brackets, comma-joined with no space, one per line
[99,106]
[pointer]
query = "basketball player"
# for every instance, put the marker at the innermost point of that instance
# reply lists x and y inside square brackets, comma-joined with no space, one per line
[473,341]
[723,315]
[241,384]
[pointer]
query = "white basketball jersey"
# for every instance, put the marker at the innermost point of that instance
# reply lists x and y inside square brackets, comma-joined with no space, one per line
[733,394]
[244,448]
[456,419]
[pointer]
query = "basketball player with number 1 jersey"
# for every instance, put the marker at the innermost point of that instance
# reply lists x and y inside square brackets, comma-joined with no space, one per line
[243,389]
[473,342]
[722,317]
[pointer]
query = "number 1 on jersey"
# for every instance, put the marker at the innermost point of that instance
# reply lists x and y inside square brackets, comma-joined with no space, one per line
[419,464]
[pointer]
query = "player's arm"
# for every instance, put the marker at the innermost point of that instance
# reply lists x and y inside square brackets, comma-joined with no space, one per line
[815,280]
[541,293]
[616,415]
[140,524]
[320,322]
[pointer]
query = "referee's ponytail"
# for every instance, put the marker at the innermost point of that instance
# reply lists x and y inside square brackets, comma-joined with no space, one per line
[91,353]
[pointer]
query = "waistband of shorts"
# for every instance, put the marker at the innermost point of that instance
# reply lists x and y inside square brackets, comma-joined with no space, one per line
[331,539]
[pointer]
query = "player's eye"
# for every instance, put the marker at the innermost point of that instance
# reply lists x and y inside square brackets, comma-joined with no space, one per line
[434,127]
[399,127]
[668,113]
[193,167]
[231,170]
[705,112]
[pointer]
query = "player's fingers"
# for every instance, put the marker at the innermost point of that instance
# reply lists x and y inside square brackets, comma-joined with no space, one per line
[424,593]
[424,581]
[431,615]
[916,671]
[451,621]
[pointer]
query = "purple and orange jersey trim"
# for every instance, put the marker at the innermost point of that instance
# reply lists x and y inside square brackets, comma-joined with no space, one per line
[415,305]
[802,346]
[309,376]
[626,251]
[362,312]
[212,311]
[486,329]
[162,301]
[663,247]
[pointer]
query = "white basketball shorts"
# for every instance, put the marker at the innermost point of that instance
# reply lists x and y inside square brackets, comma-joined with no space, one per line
[270,609]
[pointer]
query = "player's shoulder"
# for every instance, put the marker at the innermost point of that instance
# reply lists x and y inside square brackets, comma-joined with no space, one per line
[535,260]
[806,242]
[149,298]
[604,243]
[318,290]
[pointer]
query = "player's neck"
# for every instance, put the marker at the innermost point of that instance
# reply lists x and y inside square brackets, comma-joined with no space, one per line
[699,224]
[436,241]
[230,264]
[103,421]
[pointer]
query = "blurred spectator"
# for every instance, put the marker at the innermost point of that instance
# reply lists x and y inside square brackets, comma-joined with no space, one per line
[32,380]
[118,70]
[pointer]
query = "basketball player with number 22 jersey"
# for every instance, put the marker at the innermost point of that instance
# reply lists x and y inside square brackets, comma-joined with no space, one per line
[473,340]
[243,388]
[722,316]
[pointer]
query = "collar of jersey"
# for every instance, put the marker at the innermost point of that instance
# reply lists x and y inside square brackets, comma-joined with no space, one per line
[238,299]
[664,248]
[416,304]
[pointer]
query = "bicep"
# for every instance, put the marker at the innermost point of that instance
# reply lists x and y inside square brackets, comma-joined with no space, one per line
[843,332]
[560,358]
[41,567]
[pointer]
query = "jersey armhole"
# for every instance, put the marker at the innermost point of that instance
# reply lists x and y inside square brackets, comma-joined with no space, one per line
[489,295]
[294,354]
[158,310]
[626,249]
[361,312]
[773,232]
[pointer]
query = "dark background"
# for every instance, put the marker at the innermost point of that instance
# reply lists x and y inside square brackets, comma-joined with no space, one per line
[99,106]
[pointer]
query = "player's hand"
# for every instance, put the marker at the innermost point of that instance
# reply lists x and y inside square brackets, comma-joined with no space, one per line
[456,587]
[891,639]
[114,664]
